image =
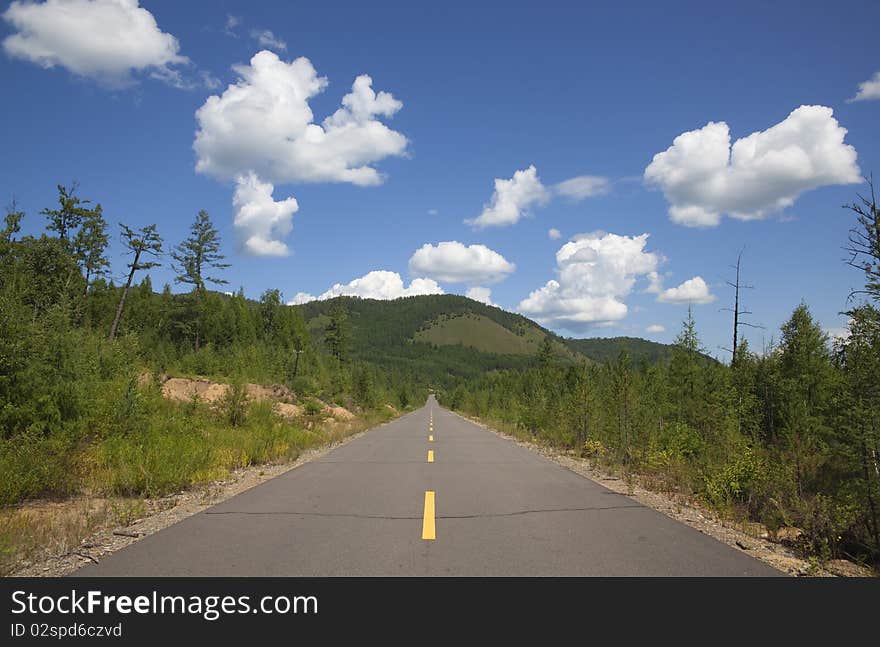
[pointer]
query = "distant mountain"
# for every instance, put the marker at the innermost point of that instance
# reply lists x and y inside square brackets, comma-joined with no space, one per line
[603,349]
[440,338]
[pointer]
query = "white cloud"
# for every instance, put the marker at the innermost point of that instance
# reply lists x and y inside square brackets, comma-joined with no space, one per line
[582,187]
[266,38]
[483,295]
[554,234]
[454,262]
[231,23]
[868,90]
[655,329]
[301,298]
[261,222]
[378,284]
[596,272]
[512,199]
[838,334]
[107,40]
[693,290]
[703,177]
[263,123]
[209,80]
[655,283]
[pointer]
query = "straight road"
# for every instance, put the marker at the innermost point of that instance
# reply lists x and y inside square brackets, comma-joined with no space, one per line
[429,494]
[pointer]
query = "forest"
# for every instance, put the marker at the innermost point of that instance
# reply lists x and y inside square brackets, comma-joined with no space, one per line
[785,436]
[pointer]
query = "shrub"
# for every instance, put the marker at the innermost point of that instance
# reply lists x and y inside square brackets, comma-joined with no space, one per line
[234,403]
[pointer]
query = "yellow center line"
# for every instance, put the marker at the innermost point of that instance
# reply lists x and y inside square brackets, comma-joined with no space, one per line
[430,455]
[430,439]
[428,531]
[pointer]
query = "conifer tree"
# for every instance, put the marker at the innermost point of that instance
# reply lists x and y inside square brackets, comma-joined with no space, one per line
[194,258]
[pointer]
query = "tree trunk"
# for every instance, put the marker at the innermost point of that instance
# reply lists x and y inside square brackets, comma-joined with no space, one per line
[871,506]
[198,316]
[122,298]
[86,287]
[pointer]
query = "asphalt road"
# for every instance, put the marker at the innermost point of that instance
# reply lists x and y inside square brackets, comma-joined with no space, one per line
[372,506]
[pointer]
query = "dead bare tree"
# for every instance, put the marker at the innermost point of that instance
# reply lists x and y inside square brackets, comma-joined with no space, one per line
[737,285]
[864,241]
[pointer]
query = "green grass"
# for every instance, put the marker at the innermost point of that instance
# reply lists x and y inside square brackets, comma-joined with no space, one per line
[166,447]
[483,334]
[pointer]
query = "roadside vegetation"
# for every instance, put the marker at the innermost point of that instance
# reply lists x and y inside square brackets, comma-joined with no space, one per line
[787,436]
[82,360]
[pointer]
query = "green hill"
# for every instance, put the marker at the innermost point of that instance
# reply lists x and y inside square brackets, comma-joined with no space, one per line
[603,349]
[441,338]
[438,338]
[479,332]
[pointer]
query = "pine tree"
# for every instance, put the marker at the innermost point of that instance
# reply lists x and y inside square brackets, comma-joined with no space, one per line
[545,352]
[145,242]
[805,370]
[858,415]
[90,246]
[69,215]
[684,369]
[195,256]
[337,335]
[11,223]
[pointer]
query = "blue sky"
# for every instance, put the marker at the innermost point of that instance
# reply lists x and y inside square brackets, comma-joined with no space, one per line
[479,92]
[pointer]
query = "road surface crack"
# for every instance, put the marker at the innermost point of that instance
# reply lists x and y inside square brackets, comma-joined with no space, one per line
[351,515]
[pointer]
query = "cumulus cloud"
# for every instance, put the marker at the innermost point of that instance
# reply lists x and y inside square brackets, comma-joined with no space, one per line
[838,333]
[260,221]
[301,298]
[703,177]
[515,198]
[554,234]
[655,328]
[693,290]
[378,284]
[596,272]
[512,199]
[483,295]
[263,123]
[107,40]
[266,38]
[582,187]
[868,90]
[655,283]
[454,262]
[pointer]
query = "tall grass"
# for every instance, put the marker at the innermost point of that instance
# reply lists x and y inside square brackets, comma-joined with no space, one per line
[136,443]
[191,445]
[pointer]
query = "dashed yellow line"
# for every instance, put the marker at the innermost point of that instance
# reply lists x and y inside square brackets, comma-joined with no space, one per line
[428,530]
[431,439]
[430,455]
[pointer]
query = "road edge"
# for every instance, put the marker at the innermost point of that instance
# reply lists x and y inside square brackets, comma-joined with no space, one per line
[684,512]
[172,509]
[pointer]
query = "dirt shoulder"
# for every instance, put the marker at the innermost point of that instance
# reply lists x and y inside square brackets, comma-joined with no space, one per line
[746,539]
[107,535]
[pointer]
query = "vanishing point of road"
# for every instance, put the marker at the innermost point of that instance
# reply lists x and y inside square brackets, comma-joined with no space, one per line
[429,494]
